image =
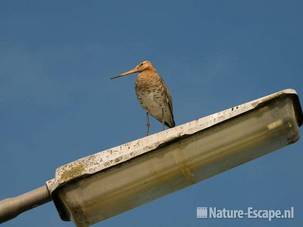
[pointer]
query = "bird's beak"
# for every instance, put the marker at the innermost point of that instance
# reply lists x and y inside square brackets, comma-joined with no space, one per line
[134,70]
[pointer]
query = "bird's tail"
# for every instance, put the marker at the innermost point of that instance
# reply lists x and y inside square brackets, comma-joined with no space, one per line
[170,124]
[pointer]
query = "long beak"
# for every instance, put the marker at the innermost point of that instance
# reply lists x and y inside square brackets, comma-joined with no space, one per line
[125,73]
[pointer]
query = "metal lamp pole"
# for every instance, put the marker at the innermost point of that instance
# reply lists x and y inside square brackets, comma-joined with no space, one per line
[11,207]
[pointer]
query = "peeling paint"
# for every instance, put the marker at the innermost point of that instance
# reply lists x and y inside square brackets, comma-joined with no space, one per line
[74,171]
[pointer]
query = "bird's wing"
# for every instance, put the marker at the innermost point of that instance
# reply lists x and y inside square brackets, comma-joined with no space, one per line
[169,100]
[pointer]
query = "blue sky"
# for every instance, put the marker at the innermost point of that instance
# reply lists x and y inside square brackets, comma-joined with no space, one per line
[57,103]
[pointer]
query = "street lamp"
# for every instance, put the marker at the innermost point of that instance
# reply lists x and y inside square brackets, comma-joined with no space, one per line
[107,183]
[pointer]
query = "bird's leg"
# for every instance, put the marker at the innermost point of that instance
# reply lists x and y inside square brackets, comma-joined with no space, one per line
[163,125]
[147,123]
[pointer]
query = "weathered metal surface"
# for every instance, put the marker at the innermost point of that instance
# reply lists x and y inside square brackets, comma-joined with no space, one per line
[113,156]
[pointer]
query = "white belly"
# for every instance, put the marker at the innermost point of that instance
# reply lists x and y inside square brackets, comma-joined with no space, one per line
[150,103]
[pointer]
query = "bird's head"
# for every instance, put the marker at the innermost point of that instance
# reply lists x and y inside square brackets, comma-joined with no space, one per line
[142,66]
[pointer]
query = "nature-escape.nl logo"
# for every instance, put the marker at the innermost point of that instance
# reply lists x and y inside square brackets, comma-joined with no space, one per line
[250,212]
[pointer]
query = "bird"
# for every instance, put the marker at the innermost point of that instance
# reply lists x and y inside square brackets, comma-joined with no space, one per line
[152,93]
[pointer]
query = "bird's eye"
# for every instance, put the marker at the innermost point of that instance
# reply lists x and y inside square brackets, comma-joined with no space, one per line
[141,64]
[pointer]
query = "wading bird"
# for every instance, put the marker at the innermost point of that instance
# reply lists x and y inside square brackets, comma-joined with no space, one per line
[152,94]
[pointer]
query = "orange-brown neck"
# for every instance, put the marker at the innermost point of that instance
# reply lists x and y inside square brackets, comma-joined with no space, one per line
[149,71]
[147,79]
